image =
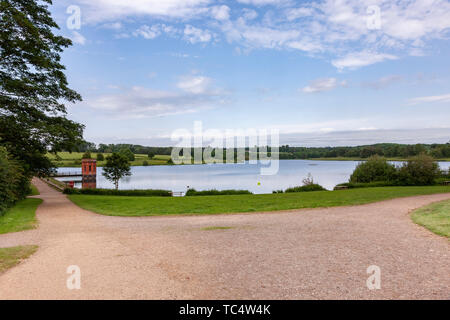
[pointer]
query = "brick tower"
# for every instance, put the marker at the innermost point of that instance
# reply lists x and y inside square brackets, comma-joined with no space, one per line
[89,172]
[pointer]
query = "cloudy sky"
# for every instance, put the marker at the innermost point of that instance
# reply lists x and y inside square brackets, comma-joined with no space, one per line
[329,72]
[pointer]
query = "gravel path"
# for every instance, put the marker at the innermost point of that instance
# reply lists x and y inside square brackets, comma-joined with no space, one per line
[306,254]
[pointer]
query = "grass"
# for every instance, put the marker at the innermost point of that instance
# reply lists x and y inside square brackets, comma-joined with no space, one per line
[157,206]
[20,217]
[435,217]
[34,191]
[10,257]
[67,159]
[216,228]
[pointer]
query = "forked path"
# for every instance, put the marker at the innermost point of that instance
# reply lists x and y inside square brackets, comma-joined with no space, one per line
[305,254]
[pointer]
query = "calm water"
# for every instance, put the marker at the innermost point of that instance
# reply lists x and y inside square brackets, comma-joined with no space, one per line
[233,176]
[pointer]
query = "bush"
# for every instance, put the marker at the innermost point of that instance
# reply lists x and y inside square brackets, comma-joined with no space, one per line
[124,193]
[355,185]
[100,157]
[193,192]
[145,163]
[87,155]
[128,154]
[419,171]
[376,168]
[306,188]
[14,183]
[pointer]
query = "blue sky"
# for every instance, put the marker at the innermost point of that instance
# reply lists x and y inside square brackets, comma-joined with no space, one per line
[329,72]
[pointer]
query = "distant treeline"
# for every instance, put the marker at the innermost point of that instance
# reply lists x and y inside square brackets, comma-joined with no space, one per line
[388,150]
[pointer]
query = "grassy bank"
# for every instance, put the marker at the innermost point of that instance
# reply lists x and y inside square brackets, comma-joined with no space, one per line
[435,217]
[20,217]
[34,190]
[66,159]
[157,206]
[10,257]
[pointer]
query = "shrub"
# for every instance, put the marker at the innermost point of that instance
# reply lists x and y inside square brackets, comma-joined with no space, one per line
[355,185]
[14,183]
[419,171]
[124,193]
[145,163]
[87,155]
[100,157]
[376,168]
[306,188]
[277,191]
[193,192]
[128,154]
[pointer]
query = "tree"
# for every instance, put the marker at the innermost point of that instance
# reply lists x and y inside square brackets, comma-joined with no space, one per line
[376,168]
[418,171]
[100,157]
[33,86]
[87,155]
[127,153]
[117,167]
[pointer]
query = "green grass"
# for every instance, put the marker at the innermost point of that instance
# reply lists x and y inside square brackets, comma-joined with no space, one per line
[157,206]
[20,217]
[435,217]
[216,228]
[10,257]
[34,190]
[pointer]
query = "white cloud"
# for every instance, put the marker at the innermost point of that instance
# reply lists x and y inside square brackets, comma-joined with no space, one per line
[321,85]
[337,28]
[361,59]
[384,81]
[194,35]
[148,32]
[113,26]
[78,38]
[139,102]
[261,2]
[95,11]
[249,14]
[430,99]
[221,12]
[195,84]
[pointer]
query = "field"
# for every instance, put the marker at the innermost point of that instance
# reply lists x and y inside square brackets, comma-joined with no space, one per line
[20,217]
[203,205]
[66,159]
[435,217]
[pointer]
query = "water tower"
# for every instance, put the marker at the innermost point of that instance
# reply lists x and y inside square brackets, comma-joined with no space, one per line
[89,173]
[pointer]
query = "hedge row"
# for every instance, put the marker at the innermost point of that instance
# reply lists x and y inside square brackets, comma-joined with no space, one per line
[125,193]
[193,192]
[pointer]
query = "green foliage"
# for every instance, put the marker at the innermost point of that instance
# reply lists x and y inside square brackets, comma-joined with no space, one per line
[128,154]
[33,86]
[87,155]
[306,188]
[375,184]
[151,155]
[419,171]
[14,184]
[100,157]
[128,193]
[145,163]
[193,192]
[116,168]
[374,169]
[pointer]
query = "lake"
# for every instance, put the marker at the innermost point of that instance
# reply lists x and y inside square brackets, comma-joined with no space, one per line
[232,176]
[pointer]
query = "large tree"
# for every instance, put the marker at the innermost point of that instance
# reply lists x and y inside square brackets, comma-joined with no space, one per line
[116,167]
[33,86]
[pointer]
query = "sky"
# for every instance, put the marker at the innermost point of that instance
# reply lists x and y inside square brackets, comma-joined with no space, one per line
[323,73]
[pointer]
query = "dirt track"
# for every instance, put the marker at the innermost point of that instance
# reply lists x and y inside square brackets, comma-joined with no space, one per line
[307,254]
